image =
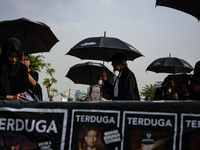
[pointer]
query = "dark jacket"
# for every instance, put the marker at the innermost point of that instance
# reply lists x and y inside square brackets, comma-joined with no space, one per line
[13,78]
[128,89]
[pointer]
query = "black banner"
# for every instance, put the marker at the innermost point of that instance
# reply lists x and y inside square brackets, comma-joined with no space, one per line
[120,125]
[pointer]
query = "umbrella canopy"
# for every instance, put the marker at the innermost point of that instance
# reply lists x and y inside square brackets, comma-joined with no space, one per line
[87,73]
[34,36]
[191,7]
[103,48]
[170,65]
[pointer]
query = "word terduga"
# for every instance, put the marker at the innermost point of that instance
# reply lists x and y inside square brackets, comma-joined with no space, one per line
[92,119]
[9,124]
[149,122]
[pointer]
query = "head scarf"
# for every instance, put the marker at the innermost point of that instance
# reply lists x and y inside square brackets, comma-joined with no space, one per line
[7,70]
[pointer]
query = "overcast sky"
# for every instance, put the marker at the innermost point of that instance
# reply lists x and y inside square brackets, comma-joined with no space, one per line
[154,31]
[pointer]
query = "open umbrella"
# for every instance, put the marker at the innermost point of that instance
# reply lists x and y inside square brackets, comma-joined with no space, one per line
[191,7]
[87,73]
[34,36]
[170,65]
[103,48]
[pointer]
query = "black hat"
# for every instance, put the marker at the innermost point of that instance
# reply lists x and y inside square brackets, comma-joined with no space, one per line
[118,56]
[147,137]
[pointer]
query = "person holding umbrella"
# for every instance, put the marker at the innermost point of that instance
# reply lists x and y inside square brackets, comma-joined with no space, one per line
[125,86]
[13,74]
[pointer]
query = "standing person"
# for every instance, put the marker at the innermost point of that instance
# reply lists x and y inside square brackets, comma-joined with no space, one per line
[125,86]
[13,74]
[185,95]
[195,83]
[32,77]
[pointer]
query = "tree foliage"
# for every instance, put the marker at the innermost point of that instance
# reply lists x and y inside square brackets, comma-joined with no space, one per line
[148,91]
[48,82]
[37,62]
[70,99]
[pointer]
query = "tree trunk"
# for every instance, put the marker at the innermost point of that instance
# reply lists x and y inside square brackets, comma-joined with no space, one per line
[49,95]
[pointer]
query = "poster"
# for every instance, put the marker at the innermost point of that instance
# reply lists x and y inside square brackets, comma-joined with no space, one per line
[30,128]
[89,126]
[117,125]
[190,133]
[147,129]
[95,93]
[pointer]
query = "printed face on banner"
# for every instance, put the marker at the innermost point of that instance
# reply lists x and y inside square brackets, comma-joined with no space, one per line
[91,138]
[190,133]
[95,92]
[94,128]
[147,130]
[17,129]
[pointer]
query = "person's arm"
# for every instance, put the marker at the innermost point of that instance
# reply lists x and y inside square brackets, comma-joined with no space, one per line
[33,78]
[19,96]
[32,81]
[103,99]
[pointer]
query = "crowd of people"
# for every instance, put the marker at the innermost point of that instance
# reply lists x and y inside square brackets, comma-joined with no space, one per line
[125,87]
[186,89]
[17,79]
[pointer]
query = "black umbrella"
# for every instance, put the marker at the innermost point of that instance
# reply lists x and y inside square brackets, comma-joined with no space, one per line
[191,7]
[170,65]
[103,48]
[34,36]
[87,73]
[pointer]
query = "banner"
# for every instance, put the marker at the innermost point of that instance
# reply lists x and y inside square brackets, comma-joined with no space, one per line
[123,125]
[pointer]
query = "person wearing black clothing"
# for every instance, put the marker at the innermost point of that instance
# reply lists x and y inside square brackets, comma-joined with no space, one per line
[166,92]
[185,95]
[125,86]
[13,74]
[33,76]
[195,83]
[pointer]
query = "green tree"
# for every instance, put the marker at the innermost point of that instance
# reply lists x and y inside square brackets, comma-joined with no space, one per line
[148,91]
[48,82]
[78,99]
[86,97]
[37,62]
[70,99]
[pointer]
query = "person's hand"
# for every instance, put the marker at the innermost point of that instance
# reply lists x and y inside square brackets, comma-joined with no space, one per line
[19,96]
[175,96]
[168,91]
[104,75]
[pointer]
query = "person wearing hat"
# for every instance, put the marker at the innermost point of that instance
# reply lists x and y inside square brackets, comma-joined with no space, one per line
[125,86]
[147,140]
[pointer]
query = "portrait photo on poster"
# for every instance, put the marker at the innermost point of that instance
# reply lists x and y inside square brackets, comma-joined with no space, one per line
[95,93]
[147,130]
[88,127]
[90,138]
